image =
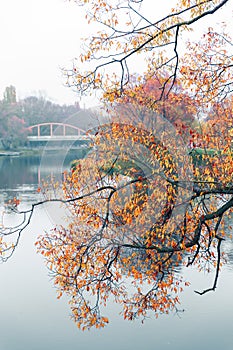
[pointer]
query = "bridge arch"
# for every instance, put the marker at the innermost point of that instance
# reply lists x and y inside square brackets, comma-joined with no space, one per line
[53,125]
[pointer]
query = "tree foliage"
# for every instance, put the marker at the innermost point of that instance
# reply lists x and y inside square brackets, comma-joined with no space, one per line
[12,126]
[141,204]
[178,108]
[37,110]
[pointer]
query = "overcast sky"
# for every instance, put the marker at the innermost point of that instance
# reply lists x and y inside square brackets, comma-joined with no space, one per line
[37,38]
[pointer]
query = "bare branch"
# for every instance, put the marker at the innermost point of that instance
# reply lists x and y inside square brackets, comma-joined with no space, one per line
[212,289]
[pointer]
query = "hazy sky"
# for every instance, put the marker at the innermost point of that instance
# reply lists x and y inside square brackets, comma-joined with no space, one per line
[37,38]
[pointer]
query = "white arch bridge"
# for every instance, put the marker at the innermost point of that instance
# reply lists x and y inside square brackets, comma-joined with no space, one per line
[57,135]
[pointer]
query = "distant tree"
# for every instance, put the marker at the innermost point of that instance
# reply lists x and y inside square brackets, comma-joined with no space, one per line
[218,126]
[178,107]
[12,124]
[36,110]
[10,95]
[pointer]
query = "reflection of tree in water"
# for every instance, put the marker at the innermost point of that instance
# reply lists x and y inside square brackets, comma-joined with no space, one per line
[28,170]
[20,176]
[17,171]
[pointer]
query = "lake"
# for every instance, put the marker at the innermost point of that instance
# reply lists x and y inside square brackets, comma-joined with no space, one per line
[32,318]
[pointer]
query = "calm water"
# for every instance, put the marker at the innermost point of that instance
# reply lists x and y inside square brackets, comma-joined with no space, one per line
[32,318]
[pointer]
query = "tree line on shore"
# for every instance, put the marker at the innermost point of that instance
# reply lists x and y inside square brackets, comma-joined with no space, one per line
[16,116]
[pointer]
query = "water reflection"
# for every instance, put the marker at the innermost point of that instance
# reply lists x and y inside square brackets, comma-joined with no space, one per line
[32,318]
[21,176]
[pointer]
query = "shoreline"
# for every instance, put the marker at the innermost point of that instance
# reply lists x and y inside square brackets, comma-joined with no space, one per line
[39,152]
[18,153]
